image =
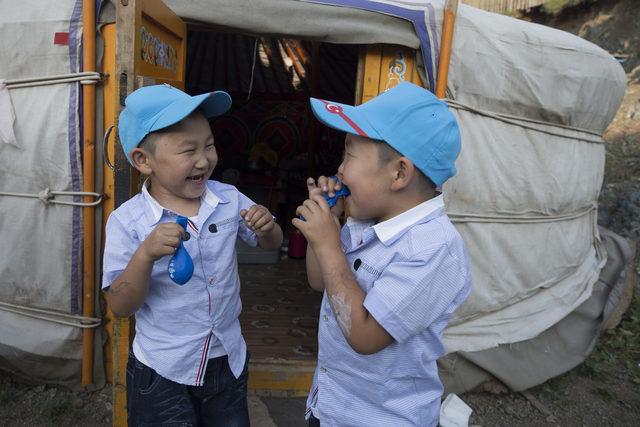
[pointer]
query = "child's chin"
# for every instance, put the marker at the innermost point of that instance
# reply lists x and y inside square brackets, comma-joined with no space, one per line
[196,185]
[354,212]
[194,193]
[359,215]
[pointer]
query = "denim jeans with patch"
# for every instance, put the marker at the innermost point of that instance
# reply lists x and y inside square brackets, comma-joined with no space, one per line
[153,400]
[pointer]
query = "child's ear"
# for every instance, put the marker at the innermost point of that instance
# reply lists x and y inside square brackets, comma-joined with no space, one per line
[403,170]
[140,159]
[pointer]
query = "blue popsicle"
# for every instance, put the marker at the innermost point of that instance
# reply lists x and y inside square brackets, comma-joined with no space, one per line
[331,201]
[181,264]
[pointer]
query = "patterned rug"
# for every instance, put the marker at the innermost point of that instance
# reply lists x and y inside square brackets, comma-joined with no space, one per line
[280,311]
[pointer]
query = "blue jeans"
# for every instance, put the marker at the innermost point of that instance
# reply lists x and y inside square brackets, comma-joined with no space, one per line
[153,400]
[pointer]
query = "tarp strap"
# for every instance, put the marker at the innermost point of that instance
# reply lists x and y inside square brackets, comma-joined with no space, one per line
[85,78]
[52,316]
[518,219]
[47,197]
[523,122]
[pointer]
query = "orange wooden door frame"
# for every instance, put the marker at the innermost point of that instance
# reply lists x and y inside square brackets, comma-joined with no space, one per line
[384,66]
[146,45]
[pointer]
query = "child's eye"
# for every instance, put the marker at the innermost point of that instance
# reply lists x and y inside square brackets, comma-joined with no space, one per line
[188,151]
[210,146]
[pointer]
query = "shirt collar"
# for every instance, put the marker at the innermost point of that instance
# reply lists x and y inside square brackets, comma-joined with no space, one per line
[393,227]
[209,197]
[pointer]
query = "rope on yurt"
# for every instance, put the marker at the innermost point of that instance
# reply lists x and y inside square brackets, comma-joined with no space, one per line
[85,78]
[523,123]
[508,219]
[52,316]
[47,197]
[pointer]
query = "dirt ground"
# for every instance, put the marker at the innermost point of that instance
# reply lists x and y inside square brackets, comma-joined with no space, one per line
[605,390]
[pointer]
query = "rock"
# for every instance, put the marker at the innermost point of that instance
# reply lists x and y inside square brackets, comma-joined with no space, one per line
[510,410]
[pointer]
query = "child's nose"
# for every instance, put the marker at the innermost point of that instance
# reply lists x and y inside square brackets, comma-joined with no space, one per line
[202,162]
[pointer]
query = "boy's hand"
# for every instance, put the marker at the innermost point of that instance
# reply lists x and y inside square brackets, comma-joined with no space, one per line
[320,227]
[163,240]
[329,186]
[258,219]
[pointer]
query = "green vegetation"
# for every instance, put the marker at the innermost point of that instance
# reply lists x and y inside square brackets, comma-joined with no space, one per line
[45,405]
[605,394]
[623,160]
[59,409]
[5,393]
[619,347]
[555,6]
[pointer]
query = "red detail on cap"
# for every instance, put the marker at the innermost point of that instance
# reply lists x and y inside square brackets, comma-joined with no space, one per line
[61,38]
[336,109]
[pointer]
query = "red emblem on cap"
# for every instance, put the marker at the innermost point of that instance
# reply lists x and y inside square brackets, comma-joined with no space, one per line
[337,109]
[333,108]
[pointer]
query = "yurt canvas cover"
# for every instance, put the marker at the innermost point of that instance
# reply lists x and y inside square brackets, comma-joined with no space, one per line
[41,325]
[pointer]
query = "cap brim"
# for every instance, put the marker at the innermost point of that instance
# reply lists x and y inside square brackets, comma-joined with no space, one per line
[343,117]
[212,104]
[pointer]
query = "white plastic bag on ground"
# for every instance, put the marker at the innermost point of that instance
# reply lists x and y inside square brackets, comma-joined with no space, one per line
[454,412]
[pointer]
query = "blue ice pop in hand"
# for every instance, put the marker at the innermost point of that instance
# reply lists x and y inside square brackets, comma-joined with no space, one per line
[331,201]
[342,192]
[181,264]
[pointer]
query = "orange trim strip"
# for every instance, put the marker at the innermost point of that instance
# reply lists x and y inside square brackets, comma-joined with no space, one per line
[89,155]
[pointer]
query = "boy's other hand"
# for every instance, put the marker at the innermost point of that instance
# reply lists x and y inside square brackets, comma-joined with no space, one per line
[329,186]
[258,219]
[320,226]
[163,240]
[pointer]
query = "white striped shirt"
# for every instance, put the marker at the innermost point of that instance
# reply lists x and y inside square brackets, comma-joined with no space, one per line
[179,328]
[415,273]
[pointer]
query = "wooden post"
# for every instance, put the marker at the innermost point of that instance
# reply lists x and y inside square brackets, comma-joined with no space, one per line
[126,15]
[450,11]
[89,155]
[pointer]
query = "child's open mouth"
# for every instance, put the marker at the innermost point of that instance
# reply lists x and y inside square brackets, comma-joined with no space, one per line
[196,178]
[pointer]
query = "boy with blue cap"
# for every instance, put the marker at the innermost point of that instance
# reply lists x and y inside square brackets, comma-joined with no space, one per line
[188,364]
[398,269]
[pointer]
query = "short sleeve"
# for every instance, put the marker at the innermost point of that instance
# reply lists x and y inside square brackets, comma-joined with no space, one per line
[411,295]
[119,246]
[245,233]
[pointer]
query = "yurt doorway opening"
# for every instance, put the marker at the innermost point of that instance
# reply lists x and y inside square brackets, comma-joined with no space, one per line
[268,144]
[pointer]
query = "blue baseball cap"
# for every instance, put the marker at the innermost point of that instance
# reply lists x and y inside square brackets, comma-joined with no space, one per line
[410,119]
[152,108]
